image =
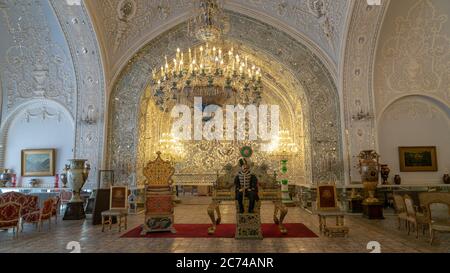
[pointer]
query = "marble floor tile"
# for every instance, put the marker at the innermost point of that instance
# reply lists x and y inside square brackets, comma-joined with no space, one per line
[91,238]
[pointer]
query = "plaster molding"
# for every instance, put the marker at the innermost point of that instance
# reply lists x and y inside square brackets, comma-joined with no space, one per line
[357,78]
[24,107]
[87,61]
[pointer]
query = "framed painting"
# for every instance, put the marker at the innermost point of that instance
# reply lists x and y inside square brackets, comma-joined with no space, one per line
[119,198]
[38,162]
[418,159]
[105,179]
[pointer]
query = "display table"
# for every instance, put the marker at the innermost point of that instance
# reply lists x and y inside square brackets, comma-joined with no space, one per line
[306,193]
[373,210]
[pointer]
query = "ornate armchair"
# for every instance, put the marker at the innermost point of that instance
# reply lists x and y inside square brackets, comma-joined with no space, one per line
[10,216]
[441,224]
[268,190]
[400,210]
[118,208]
[327,206]
[158,196]
[29,202]
[37,217]
[56,207]
[413,217]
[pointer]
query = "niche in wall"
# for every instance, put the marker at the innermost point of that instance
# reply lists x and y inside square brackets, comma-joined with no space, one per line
[415,121]
[35,128]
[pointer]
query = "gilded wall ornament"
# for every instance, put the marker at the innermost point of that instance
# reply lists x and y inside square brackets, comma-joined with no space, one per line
[320,98]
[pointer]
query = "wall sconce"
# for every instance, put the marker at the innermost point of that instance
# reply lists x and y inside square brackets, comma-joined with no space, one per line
[89,116]
[361,114]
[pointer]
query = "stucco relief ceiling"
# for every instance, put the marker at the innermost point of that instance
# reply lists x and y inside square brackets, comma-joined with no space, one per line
[123,26]
[413,53]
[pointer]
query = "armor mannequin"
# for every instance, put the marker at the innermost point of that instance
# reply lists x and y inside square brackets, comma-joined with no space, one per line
[246,183]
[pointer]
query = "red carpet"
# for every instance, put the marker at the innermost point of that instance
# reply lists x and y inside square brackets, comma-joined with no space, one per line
[223,231]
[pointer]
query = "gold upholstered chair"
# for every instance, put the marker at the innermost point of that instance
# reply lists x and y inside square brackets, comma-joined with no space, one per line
[118,208]
[327,207]
[400,210]
[413,217]
[437,222]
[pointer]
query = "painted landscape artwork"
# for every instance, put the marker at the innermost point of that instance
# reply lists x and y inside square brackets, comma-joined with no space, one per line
[38,162]
[418,159]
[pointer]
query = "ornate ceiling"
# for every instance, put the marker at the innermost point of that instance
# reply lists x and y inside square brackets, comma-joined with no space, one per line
[123,26]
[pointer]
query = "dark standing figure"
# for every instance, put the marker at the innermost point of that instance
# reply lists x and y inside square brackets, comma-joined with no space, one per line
[247,183]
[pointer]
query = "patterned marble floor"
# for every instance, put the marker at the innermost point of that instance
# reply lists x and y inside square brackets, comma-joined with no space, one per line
[92,239]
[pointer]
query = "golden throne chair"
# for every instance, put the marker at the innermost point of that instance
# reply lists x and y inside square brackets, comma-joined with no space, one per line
[268,190]
[159,209]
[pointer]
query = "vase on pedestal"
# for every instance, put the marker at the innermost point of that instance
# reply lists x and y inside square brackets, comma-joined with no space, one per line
[286,198]
[369,170]
[77,175]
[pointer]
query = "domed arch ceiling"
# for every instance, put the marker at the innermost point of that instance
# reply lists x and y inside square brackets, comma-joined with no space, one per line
[298,70]
[320,24]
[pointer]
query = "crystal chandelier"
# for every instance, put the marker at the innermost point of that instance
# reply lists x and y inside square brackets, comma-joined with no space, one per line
[214,65]
[282,145]
[172,147]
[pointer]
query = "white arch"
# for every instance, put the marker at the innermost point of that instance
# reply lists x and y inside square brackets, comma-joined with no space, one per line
[442,105]
[117,69]
[20,110]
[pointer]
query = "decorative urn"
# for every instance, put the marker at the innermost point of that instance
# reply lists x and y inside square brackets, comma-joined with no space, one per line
[6,177]
[63,175]
[369,170]
[397,179]
[446,178]
[77,175]
[384,171]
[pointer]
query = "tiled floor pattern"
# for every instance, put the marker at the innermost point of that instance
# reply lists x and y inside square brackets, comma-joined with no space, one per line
[92,239]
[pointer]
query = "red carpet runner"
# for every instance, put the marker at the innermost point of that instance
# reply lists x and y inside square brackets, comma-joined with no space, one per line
[223,231]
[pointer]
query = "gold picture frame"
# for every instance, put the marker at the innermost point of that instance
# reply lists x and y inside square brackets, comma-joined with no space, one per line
[418,159]
[38,162]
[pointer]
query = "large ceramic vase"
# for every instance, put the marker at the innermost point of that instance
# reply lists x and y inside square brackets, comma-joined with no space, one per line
[6,178]
[369,170]
[77,175]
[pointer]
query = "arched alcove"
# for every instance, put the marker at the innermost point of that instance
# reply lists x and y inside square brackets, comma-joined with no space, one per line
[38,124]
[415,120]
[288,64]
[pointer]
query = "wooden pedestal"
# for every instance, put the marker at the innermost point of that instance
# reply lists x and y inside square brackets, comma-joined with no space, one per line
[355,205]
[373,210]
[74,211]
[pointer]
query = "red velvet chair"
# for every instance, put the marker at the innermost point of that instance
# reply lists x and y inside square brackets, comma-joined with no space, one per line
[10,216]
[37,217]
[30,203]
[56,207]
